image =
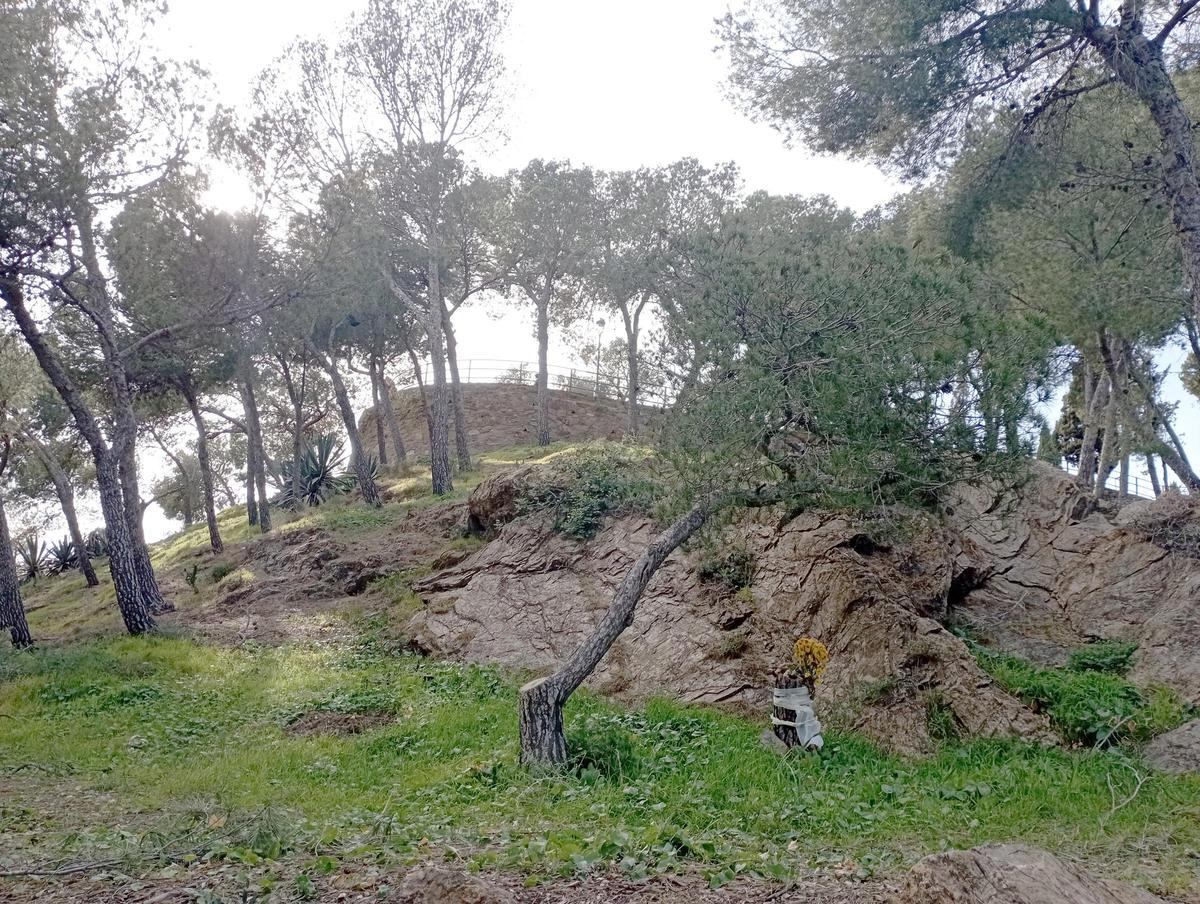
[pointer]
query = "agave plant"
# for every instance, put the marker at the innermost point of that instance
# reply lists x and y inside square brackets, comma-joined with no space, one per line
[63,556]
[320,477]
[32,552]
[96,544]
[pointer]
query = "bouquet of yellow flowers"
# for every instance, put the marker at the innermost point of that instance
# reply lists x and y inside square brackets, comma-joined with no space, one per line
[809,657]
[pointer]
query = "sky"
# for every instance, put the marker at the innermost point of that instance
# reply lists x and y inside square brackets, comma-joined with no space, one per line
[618,84]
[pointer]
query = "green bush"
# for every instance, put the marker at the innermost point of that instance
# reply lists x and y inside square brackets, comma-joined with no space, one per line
[1107,656]
[1089,707]
[735,568]
[601,746]
[222,570]
[587,485]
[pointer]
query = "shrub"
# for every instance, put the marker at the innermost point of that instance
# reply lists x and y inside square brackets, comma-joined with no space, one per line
[321,476]
[1089,707]
[62,556]
[735,568]
[1107,656]
[222,570]
[601,746]
[32,553]
[587,485]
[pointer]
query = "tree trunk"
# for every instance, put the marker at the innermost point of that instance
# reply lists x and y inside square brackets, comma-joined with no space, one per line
[1138,62]
[362,468]
[1124,474]
[543,377]
[66,500]
[206,475]
[377,401]
[251,474]
[420,381]
[12,609]
[132,499]
[439,401]
[631,360]
[393,425]
[1091,431]
[461,440]
[134,613]
[1152,470]
[254,442]
[542,701]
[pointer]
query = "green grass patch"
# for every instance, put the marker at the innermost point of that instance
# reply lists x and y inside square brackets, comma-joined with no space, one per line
[175,727]
[1089,706]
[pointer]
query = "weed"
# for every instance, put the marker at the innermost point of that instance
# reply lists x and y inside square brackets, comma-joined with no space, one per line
[1096,708]
[220,571]
[1107,656]
[735,569]
[588,484]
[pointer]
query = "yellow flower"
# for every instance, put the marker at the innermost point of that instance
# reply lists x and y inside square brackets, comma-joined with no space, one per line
[811,656]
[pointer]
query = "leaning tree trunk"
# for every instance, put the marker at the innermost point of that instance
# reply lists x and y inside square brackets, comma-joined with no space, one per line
[461,441]
[12,609]
[206,475]
[1152,470]
[541,702]
[439,398]
[362,468]
[543,376]
[134,613]
[122,563]
[66,500]
[1138,62]
[127,465]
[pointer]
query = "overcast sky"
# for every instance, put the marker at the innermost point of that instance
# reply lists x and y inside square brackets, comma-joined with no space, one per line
[617,84]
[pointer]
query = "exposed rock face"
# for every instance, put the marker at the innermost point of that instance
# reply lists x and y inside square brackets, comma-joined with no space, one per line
[1041,572]
[530,596]
[1176,751]
[1012,874]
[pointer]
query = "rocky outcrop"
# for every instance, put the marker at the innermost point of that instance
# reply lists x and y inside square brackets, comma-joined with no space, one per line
[530,596]
[1176,751]
[1012,874]
[1041,570]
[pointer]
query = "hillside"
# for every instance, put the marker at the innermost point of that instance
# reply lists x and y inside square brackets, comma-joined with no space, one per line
[301,731]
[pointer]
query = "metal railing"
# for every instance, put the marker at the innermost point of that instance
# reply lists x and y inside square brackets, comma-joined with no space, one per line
[578,380]
[1135,487]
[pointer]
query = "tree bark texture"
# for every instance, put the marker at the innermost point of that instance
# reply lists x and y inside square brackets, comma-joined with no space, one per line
[206,476]
[439,400]
[461,440]
[543,376]
[66,500]
[362,467]
[134,613]
[12,608]
[541,702]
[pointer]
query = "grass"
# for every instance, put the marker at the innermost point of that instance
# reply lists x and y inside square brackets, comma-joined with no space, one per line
[1090,706]
[173,727]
